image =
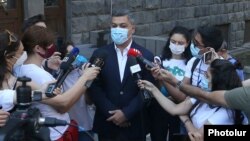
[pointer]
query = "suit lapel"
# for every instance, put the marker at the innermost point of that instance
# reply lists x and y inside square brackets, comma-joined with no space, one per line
[127,68]
[126,72]
[114,64]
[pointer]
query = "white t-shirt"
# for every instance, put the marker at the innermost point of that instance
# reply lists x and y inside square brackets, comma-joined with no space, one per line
[204,113]
[176,67]
[7,99]
[40,76]
[199,72]
[214,115]
[79,111]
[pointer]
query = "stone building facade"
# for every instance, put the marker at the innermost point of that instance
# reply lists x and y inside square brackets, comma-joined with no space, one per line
[90,19]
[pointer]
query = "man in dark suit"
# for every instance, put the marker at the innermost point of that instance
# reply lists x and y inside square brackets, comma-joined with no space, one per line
[119,112]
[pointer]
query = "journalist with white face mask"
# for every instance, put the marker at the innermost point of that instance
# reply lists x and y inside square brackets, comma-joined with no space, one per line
[174,58]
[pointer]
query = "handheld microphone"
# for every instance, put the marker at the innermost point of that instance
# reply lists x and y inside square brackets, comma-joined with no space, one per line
[79,61]
[135,70]
[65,69]
[65,74]
[136,53]
[52,86]
[70,57]
[97,60]
[66,61]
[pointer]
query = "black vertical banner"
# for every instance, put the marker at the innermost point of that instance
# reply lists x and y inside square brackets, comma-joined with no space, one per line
[224,132]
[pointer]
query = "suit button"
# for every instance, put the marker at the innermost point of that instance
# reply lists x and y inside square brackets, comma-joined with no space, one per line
[121,92]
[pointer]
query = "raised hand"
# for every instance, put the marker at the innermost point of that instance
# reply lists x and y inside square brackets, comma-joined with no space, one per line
[90,72]
[54,61]
[3,117]
[144,84]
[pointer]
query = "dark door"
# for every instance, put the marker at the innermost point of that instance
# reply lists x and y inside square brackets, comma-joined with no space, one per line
[55,14]
[11,15]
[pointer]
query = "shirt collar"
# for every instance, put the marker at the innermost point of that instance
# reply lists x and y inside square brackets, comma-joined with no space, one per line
[125,51]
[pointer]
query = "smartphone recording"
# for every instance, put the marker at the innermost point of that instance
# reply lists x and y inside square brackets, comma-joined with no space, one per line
[207,56]
[157,60]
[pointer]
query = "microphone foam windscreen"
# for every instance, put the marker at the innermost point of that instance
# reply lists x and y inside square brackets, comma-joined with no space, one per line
[75,51]
[80,58]
[134,52]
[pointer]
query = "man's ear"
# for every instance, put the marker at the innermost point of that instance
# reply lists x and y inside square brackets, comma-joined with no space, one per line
[133,29]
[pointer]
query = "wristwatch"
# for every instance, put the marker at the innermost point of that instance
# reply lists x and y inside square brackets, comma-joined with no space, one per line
[178,84]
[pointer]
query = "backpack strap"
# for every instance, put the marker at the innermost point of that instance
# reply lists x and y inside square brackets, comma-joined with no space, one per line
[196,61]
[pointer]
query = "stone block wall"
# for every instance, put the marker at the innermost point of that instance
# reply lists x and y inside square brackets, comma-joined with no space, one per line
[158,17]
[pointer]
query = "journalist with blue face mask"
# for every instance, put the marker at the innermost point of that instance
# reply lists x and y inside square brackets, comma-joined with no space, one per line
[119,108]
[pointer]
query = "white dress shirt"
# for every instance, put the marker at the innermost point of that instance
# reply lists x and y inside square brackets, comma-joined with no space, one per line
[122,59]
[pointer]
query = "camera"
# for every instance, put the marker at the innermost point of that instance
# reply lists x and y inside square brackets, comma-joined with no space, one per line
[23,123]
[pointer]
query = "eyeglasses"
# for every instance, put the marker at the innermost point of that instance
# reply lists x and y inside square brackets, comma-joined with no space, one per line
[196,43]
[12,37]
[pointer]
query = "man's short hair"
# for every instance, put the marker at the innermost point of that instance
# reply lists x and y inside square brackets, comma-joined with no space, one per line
[123,12]
[33,20]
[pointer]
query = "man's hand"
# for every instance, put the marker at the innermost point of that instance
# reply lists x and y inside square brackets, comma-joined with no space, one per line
[3,117]
[118,117]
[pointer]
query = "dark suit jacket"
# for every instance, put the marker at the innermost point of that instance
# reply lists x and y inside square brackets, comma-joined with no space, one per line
[109,93]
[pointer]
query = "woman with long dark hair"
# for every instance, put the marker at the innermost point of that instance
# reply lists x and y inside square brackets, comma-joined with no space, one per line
[221,75]
[174,58]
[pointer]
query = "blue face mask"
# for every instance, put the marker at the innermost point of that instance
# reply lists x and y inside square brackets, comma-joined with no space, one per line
[194,50]
[205,85]
[119,35]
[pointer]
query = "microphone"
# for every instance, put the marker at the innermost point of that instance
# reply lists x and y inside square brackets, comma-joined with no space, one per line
[52,86]
[135,70]
[67,60]
[65,74]
[65,68]
[136,53]
[70,57]
[79,61]
[51,122]
[97,60]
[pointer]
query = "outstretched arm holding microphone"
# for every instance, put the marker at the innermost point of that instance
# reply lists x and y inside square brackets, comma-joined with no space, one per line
[64,101]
